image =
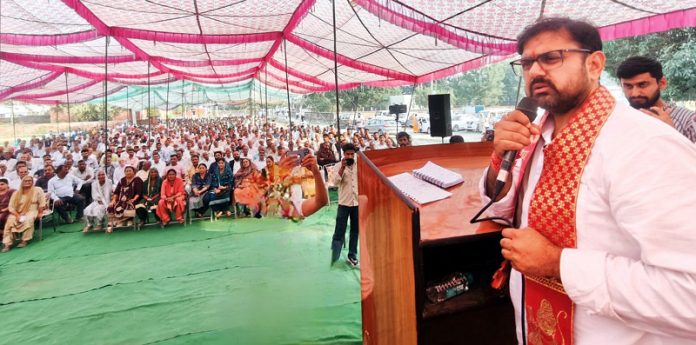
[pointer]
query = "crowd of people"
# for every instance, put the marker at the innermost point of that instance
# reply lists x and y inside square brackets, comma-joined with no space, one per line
[136,175]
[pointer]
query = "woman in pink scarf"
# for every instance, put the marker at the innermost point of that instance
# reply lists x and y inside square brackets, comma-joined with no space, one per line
[172,199]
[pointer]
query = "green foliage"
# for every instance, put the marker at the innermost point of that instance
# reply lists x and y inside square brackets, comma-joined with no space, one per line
[358,99]
[675,49]
[87,112]
[492,85]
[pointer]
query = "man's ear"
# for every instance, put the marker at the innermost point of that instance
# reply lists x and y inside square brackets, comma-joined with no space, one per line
[662,83]
[595,65]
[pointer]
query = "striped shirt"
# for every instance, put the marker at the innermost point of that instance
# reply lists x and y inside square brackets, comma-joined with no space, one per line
[684,121]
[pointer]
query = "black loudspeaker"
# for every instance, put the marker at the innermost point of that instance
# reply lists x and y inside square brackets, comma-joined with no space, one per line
[393,109]
[440,117]
[397,108]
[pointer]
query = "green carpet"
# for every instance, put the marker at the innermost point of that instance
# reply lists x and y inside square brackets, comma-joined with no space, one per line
[243,281]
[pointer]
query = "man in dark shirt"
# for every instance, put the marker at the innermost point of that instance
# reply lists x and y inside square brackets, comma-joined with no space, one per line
[49,172]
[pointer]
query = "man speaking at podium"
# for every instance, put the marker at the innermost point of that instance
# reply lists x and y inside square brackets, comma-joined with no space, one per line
[605,249]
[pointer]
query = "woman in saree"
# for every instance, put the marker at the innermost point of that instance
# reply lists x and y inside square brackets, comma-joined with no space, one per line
[271,172]
[95,212]
[26,204]
[5,195]
[246,171]
[128,191]
[200,184]
[151,196]
[172,199]
[221,187]
[246,189]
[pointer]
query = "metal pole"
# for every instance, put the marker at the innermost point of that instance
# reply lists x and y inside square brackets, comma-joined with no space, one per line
[287,82]
[14,130]
[183,100]
[266,88]
[106,94]
[130,117]
[260,103]
[67,98]
[338,105]
[251,99]
[166,110]
[149,120]
[410,103]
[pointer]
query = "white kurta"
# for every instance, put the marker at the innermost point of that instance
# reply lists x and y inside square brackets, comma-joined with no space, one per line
[633,274]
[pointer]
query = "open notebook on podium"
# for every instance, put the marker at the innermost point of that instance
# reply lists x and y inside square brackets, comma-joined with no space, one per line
[426,184]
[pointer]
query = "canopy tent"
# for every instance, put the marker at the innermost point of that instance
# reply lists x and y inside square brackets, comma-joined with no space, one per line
[184,93]
[52,48]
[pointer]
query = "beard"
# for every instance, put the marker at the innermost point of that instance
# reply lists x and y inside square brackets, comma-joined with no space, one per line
[557,102]
[642,102]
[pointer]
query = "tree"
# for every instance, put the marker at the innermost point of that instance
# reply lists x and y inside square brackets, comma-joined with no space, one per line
[675,49]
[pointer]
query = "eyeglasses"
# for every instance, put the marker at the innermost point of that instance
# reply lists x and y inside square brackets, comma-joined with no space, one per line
[547,61]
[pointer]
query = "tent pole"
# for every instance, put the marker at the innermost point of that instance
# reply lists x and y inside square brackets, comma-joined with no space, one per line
[338,105]
[67,98]
[14,130]
[166,109]
[130,118]
[183,100]
[410,103]
[287,82]
[106,94]
[251,100]
[149,120]
[266,88]
[260,103]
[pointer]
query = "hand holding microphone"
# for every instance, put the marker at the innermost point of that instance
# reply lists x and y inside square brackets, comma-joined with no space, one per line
[514,132]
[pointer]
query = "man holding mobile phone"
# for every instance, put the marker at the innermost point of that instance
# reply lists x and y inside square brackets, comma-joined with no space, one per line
[642,81]
[346,178]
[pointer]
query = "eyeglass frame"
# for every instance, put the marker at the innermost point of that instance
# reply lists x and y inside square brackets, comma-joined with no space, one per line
[562,52]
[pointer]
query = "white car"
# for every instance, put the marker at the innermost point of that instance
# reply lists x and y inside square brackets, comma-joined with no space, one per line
[466,122]
[381,125]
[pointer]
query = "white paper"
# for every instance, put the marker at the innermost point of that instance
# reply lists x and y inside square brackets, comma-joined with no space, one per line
[420,191]
[438,175]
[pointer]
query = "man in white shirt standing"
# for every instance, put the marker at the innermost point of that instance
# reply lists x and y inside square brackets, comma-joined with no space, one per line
[63,189]
[604,239]
[346,178]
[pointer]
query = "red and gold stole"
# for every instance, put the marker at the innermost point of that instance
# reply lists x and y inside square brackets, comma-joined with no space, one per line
[552,212]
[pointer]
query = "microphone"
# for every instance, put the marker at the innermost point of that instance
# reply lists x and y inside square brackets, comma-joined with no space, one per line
[527,106]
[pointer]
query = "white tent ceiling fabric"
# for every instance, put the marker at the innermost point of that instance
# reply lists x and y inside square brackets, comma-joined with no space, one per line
[214,42]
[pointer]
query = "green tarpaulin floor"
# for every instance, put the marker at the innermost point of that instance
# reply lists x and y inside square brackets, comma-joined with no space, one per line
[243,281]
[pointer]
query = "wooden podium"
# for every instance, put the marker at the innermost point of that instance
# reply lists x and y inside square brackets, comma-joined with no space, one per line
[404,246]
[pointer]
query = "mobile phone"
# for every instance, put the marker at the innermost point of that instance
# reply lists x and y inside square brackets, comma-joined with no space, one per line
[301,153]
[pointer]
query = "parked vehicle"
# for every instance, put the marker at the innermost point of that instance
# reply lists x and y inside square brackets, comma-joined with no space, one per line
[466,122]
[381,125]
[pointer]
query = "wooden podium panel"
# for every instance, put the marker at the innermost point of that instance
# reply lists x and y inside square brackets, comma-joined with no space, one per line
[404,245]
[444,219]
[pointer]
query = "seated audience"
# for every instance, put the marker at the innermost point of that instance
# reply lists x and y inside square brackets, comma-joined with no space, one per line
[26,204]
[122,206]
[95,213]
[200,185]
[221,184]
[64,190]
[151,196]
[172,199]
[5,195]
